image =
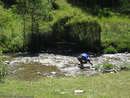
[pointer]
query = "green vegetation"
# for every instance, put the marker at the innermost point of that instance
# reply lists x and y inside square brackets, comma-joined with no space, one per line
[10,31]
[3,69]
[110,49]
[72,29]
[107,65]
[125,65]
[80,25]
[101,86]
[87,25]
[115,34]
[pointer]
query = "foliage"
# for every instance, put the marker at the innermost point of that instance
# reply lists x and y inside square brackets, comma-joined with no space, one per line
[10,30]
[125,65]
[116,33]
[110,49]
[15,29]
[30,22]
[97,66]
[0,52]
[104,66]
[3,69]
[107,65]
[86,30]
[125,8]
[103,8]
[71,28]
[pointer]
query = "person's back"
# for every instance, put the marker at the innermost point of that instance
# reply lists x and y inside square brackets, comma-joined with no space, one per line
[83,58]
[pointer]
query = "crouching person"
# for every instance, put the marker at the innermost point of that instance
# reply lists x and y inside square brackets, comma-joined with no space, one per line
[83,59]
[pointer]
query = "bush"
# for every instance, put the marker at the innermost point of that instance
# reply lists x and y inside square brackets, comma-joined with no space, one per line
[123,45]
[3,69]
[79,29]
[109,50]
[97,66]
[86,31]
[0,51]
[125,65]
[107,65]
[115,33]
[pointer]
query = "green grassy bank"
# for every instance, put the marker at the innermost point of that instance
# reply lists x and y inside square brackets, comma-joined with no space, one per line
[101,86]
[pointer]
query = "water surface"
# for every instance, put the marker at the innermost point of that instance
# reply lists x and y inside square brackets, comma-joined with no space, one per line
[30,67]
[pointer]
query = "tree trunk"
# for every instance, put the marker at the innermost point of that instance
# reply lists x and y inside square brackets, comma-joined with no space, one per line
[24,32]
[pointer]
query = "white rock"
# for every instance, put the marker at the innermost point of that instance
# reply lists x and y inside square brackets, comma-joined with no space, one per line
[6,62]
[92,68]
[78,91]
[111,72]
[38,73]
[53,73]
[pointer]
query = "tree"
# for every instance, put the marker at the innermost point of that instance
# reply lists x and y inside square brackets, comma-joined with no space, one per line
[38,10]
[22,9]
[34,10]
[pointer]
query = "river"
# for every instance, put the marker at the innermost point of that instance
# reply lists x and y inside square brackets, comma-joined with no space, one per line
[24,66]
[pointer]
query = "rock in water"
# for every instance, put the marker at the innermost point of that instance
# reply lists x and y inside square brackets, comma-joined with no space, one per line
[53,73]
[6,62]
[38,73]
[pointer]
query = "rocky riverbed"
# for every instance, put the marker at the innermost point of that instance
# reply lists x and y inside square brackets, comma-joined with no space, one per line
[28,67]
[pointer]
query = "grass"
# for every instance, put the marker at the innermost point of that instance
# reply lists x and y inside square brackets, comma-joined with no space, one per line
[101,86]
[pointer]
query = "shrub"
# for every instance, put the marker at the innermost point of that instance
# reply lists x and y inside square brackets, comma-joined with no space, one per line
[98,66]
[3,69]
[125,65]
[110,49]
[123,45]
[107,65]
[115,33]
[82,30]
[0,51]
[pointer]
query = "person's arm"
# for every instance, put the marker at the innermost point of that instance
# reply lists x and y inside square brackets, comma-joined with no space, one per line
[90,61]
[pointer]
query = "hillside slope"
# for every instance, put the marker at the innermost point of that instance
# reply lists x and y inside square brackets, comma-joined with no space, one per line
[70,24]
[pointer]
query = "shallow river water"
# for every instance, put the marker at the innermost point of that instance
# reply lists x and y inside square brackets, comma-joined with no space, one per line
[27,67]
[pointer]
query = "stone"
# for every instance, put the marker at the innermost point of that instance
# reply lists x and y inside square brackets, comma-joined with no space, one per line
[124,68]
[6,62]
[38,73]
[110,71]
[53,73]
[92,68]
[126,52]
